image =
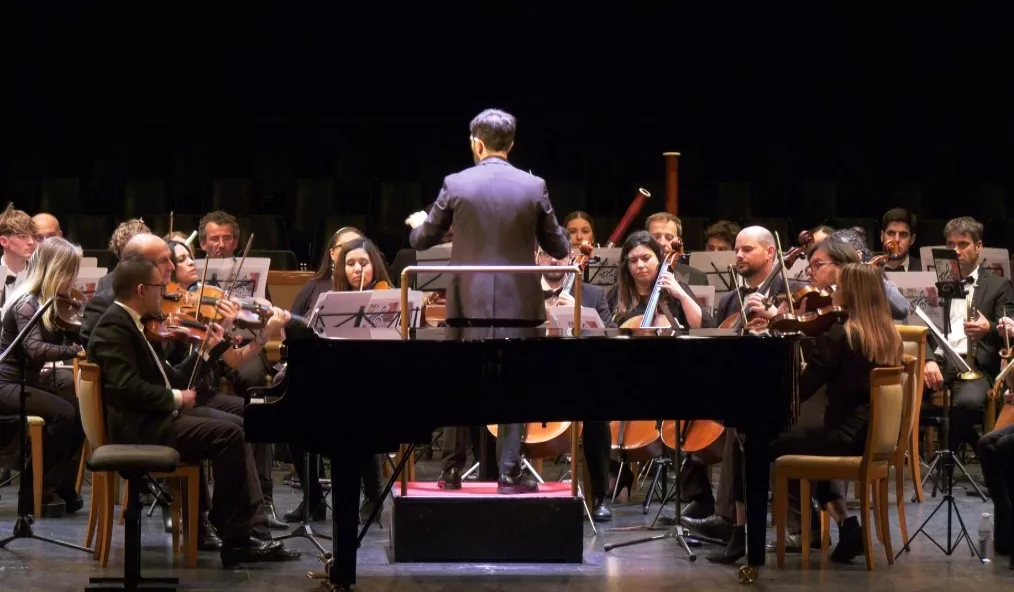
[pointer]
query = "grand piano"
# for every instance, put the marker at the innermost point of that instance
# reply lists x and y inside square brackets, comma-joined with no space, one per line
[411,387]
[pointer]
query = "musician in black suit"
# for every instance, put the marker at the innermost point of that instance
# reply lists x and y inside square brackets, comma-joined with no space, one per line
[899,226]
[499,213]
[991,297]
[597,439]
[996,457]
[665,228]
[147,401]
[841,361]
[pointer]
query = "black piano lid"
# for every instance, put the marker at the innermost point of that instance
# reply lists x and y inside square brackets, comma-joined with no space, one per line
[741,380]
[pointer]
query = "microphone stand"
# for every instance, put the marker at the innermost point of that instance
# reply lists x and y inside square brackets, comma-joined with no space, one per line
[23,525]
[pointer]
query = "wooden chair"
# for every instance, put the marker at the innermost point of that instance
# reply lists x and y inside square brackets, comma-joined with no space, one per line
[88,385]
[889,411]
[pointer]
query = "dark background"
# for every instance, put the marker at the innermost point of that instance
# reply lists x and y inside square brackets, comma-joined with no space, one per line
[354,114]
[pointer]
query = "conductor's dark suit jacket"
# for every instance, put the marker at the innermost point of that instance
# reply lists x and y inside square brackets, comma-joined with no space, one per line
[139,407]
[499,213]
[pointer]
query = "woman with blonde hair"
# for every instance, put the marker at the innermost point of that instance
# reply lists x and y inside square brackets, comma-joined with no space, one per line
[52,271]
[841,361]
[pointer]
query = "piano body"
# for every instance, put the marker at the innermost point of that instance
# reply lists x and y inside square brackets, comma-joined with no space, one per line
[417,385]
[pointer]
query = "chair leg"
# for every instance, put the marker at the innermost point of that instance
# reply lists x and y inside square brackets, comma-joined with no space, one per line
[864,504]
[825,532]
[884,520]
[899,494]
[81,468]
[781,511]
[914,467]
[875,495]
[192,516]
[804,520]
[108,517]
[93,512]
[35,437]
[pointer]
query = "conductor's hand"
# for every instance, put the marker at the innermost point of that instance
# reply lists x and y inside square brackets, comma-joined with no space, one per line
[415,220]
[188,399]
[933,378]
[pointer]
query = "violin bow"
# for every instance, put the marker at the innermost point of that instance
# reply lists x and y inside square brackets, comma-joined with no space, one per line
[785,274]
[739,295]
[233,277]
[170,222]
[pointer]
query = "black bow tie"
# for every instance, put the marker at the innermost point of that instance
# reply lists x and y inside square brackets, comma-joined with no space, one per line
[547,294]
[969,280]
[745,291]
[11,279]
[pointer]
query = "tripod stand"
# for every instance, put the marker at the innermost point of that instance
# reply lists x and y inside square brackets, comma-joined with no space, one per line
[676,532]
[946,459]
[23,525]
[305,529]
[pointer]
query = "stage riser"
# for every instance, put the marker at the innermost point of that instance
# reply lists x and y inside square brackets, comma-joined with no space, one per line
[506,529]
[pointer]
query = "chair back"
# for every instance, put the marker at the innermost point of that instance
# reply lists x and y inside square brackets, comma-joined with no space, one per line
[887,409]
[913,340]
[88,384]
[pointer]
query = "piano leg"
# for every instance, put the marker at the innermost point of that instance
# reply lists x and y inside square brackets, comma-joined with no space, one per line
[346,471]
[757,471]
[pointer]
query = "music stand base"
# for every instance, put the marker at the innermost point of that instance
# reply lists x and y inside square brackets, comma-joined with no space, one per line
[23,530]
[305,531]
[676,533]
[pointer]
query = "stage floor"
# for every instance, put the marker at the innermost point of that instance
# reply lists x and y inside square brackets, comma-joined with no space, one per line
[29,565]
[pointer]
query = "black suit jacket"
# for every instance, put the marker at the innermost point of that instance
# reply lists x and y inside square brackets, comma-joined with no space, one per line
[139,408]
[728,303]
[499,213]
[94,310]
[992,296]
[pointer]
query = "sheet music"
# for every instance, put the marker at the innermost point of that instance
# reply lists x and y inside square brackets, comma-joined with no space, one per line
[603,271]
[997,261]
[364,315]
[88,280]
[955,358]
[252,280]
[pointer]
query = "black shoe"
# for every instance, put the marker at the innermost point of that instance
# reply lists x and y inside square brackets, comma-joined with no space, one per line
[251,550]
[450,479]
[519,483]
[273,522]
[732,552]
[207,537]
[600,511]
[850,541]
[713,527]
[54,509]
[698,510]
[71,500]
[295,516]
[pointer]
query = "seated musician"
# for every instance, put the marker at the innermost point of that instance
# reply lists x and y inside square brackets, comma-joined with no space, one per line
[899,226]
[17,238]
[597,439]
[842,361]
[46,226]
[636,279]
[358,265]
[666,228]
[321,282]
[581,228]
[185,276]
[52,270]
[124,231]
[147,401]
[990,295]
[996,456]
[721,236]
[897,301]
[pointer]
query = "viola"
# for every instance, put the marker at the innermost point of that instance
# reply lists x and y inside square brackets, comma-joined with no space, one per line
[381,285]
[70,310]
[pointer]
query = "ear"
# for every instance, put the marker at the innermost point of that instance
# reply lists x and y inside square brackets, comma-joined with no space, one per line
[4,242]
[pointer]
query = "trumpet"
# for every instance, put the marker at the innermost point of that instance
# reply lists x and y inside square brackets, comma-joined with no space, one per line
[971,313]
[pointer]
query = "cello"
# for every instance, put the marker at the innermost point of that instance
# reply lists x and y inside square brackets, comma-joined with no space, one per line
[651,323]
[1006,416]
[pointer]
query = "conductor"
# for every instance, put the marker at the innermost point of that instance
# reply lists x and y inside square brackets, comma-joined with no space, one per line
[499,214]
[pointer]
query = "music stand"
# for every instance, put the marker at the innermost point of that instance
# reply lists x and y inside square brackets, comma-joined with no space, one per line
[949,287]
[715,265]
[438,256]
[23,525]
[676,532]
[601,270]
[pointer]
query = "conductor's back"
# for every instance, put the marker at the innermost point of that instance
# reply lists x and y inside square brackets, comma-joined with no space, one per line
[499,213]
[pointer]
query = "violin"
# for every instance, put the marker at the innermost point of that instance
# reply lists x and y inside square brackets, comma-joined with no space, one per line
[176,300]
[166,328]
[381,285]
[754,322]
[581,261]
[811,323]
[70,310]
[811,298]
